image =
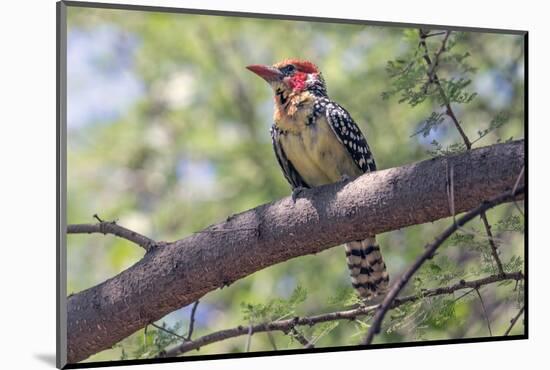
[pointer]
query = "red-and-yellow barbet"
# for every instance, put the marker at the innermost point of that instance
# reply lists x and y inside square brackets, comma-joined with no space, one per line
[316,142]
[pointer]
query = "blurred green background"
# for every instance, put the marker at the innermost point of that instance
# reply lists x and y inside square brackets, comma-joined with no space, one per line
[169,133]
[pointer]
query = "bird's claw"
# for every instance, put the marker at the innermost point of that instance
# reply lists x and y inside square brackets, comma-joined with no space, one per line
[344,178]
[296,192]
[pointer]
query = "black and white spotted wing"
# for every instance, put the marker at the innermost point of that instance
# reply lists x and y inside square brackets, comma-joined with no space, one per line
[350,136]
[292,176]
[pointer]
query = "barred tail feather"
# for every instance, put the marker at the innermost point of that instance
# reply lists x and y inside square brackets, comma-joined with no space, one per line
[367,268]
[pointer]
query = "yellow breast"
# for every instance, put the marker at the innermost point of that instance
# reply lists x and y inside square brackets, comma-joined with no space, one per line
[316,153]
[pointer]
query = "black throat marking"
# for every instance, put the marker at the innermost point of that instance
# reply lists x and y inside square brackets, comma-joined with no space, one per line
[282,98]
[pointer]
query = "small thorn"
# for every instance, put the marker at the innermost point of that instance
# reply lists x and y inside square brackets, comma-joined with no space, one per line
[225,284]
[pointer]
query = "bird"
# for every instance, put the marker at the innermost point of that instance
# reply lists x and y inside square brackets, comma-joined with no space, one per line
[316,142]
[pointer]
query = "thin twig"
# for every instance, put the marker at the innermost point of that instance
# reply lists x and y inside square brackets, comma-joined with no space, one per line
[513,321]
[111,227]
[248,339]
[187,338]
[300,338]
[167,331]
[428,253]
[516,185]
[485,312]
[450,189]
[271,340]
[145,335]
[514,190]
[451,199]
[192,321]
[97,218]
[435,34]
[494,250]
[287,325]
[432,76]
[314,340]
[435,63]
[464,295]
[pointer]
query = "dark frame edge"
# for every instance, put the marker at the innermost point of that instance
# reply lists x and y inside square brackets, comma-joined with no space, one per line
[526,178]
[287,352]
[61,179]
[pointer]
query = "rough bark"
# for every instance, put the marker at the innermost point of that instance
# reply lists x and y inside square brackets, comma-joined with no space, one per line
[179,273]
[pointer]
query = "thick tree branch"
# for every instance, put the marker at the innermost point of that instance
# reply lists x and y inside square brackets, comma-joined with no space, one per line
[428,254]
[289,325]
[181,272]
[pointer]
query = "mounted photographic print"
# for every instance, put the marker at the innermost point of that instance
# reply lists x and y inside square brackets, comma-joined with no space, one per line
[235,184]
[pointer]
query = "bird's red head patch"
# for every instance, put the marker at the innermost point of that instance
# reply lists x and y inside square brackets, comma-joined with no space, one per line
[299,70]
[297,82]
[301,65]
[296,74]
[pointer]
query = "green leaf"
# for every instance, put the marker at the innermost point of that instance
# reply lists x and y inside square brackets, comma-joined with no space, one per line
[432,122]
[499,120]
[514,264]
[322,329]
[275,309]
[511,223]
[344,297]
[440,151]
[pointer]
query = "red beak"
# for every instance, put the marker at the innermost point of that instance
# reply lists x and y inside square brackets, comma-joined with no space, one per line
[268,73]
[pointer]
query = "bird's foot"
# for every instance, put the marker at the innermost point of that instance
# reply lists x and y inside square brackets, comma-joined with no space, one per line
[345,178]
[296,192]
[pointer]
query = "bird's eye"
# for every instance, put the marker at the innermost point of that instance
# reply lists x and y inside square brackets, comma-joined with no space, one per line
[287,70]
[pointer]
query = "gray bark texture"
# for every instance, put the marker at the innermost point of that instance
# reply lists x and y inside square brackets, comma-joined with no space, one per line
[176,274]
